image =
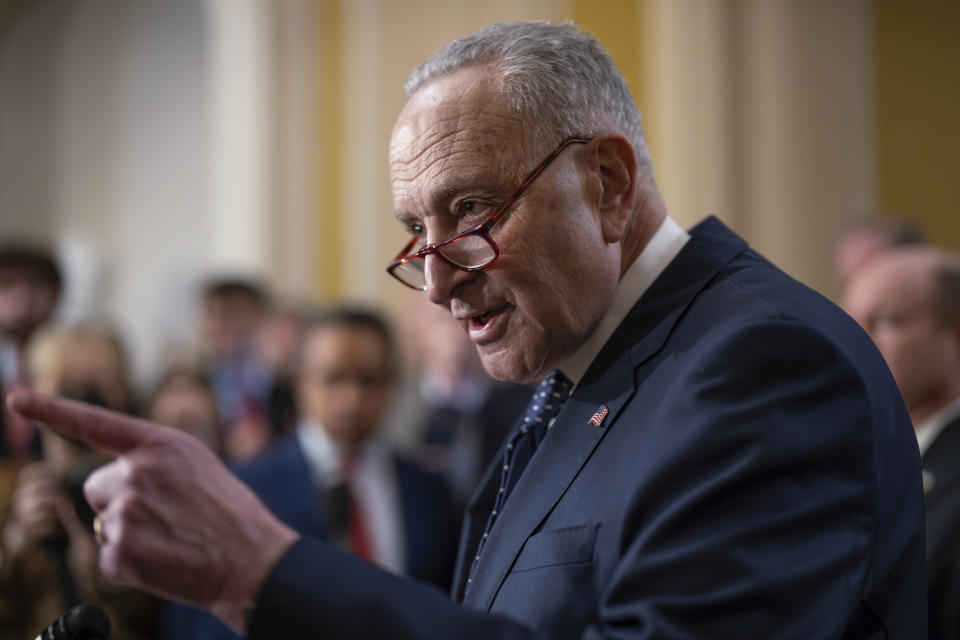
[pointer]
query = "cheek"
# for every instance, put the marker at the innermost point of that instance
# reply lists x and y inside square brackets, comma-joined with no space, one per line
[316,398]
[561,278]
[372,403]
[910,353]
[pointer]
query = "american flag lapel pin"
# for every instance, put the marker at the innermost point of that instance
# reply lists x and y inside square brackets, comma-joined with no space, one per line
[598,418]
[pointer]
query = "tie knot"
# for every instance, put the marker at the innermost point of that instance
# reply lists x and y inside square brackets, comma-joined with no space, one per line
[547,401]
[557,382]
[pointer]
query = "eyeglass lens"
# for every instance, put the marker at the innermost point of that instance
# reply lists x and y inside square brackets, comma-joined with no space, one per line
[469,252]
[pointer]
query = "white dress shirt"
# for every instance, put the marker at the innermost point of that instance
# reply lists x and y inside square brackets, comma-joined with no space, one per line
[374,486]
[660,251]
[929,429]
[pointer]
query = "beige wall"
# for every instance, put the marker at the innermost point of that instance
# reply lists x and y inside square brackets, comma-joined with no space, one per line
[918,98]
[370,47]
[169,138]
[759,111]
[103,154]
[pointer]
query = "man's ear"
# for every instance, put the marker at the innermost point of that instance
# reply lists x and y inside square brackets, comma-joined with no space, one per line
[616,163]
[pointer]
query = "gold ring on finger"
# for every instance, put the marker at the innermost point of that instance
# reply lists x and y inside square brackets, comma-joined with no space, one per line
[98,529]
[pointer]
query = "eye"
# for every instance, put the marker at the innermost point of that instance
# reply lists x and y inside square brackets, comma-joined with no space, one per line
[471,208]
[889,321]
[415,228]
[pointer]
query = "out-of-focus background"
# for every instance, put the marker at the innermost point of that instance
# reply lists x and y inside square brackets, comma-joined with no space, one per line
[183,183]
[158,143]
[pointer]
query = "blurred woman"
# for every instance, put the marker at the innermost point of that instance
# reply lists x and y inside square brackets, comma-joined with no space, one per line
[48,559]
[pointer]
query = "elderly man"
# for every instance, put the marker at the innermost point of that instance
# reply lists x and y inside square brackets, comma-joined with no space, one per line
[714,451]
[908,300]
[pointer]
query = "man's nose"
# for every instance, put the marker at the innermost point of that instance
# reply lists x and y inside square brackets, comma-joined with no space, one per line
[442,278]
[351,397]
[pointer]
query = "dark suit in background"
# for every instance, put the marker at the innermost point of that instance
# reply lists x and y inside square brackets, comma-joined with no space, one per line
[756,476]
[461,441]
[282,479]
[941,465]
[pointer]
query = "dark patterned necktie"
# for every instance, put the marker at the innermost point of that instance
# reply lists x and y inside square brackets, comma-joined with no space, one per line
[547,400]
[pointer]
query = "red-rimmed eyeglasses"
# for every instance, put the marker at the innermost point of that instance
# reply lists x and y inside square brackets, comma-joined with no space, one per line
[471,250]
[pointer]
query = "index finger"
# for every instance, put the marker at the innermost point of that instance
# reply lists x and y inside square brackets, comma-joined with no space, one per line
[106,431]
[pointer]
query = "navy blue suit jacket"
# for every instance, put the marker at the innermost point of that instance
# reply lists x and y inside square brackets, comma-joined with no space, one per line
[756,476]
[941,463]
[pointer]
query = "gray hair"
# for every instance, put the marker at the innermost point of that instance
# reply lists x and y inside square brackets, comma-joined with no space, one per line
[557,78]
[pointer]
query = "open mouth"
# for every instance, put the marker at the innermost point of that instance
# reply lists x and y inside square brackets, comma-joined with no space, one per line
[488,326]
[482,319]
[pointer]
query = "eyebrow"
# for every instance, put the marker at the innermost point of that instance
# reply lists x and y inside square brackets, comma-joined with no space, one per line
[440,196]
[405,218]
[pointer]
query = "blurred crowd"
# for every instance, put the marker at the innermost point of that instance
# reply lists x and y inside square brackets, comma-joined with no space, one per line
[369,438]
[346,430]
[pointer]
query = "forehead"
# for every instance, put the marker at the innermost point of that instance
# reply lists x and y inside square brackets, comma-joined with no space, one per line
[895,282]
[335,344]
[453,127]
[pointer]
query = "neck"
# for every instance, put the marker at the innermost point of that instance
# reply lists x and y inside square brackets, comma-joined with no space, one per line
[921,412]
[647,217]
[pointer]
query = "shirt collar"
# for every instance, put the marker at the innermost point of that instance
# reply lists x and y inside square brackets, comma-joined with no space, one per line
[660,251]
[929,429]
[324,455]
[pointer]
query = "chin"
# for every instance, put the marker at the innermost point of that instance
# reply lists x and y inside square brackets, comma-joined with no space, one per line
[507,365]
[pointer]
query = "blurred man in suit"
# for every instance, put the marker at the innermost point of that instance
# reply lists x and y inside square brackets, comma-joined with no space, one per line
[908,300]
[332,479]
[457,415]
[30,284]
[713,450]
[232,310]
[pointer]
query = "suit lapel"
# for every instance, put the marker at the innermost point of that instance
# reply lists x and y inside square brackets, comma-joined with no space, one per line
[559,457]
[304,506]
[609,382]
[648,325]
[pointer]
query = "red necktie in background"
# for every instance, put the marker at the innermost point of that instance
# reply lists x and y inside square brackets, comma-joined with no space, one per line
[358,535]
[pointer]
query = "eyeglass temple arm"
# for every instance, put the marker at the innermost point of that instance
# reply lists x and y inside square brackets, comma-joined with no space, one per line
[406,250]
[533,175]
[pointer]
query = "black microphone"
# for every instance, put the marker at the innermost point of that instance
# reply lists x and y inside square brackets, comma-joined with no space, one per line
[83,622]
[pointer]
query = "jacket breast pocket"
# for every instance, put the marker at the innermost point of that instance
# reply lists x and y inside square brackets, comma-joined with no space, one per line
[569,545]
[551,586]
